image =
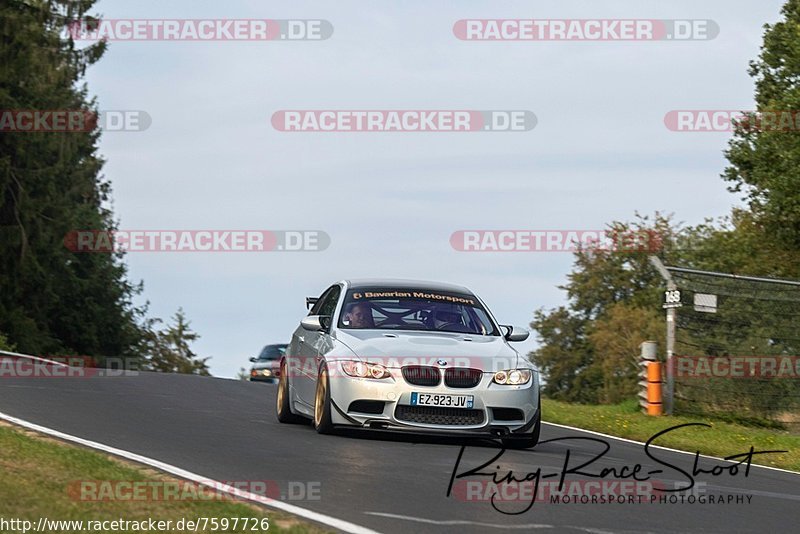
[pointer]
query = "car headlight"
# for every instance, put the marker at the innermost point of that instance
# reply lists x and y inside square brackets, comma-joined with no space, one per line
[266,372]
[364,370]
[512,377]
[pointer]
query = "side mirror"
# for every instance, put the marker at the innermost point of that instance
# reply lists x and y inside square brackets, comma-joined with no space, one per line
[315,323]
[514,333]
[253,359]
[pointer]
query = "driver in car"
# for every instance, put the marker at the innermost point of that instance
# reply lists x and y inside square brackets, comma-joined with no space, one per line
[443,318]
[360,316]
[437,318]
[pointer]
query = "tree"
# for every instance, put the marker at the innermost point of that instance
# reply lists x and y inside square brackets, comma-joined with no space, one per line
[764,159]
[5,345]
[602,277]
[565,356]
[614,296]
[54,301]
[616,338]
[588,347]
[169,351]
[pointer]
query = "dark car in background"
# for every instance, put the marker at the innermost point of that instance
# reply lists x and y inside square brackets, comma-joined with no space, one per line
[266,366]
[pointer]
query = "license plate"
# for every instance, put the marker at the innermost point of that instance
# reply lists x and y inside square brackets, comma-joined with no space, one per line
[447,401]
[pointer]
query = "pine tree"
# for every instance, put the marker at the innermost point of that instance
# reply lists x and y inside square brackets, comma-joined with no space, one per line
[53,300]
[169,349]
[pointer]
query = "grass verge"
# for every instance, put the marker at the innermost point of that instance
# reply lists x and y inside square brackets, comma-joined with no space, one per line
[722,439]
[38,476]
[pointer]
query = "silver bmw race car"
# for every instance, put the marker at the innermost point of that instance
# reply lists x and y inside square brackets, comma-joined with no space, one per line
[408,355]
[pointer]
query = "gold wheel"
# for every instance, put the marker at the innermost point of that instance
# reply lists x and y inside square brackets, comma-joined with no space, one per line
[281,390]
[319,399]
[282,408]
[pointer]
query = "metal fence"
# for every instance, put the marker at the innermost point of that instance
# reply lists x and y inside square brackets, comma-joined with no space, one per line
[732,345]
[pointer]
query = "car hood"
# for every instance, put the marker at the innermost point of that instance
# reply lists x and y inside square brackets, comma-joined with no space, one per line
[399,348]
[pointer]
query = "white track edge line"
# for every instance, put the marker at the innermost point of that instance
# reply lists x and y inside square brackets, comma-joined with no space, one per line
[340,524]
[626,440]
[18,355]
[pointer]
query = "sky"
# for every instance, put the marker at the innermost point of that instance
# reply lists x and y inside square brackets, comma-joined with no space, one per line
[211,159]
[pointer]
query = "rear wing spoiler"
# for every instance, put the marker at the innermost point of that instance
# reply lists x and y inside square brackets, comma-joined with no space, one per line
[310,301]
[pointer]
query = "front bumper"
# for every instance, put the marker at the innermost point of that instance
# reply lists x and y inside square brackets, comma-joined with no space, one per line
[386,404]
[270,380]
[264,375]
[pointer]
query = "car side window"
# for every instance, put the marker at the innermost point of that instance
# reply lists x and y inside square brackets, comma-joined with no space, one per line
[329,305]
[320,301]
[326,304]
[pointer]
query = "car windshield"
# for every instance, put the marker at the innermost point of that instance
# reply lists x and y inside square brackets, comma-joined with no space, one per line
[409,309]
[272,352]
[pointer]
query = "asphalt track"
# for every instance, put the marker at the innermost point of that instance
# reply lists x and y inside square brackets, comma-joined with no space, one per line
[226,430]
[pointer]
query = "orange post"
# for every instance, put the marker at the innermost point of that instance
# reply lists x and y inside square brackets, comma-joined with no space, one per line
[654,397]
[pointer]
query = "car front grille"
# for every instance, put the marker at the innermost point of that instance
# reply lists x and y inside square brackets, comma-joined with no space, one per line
[462,377]
[433,415]
[421,375]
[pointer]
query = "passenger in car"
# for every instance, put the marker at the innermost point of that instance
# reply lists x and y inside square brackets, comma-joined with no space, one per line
[360,316]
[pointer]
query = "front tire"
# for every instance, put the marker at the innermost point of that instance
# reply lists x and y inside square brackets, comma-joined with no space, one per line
[282,409]
[322,403]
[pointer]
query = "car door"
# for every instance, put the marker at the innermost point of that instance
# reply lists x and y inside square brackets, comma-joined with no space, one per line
[311,346]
